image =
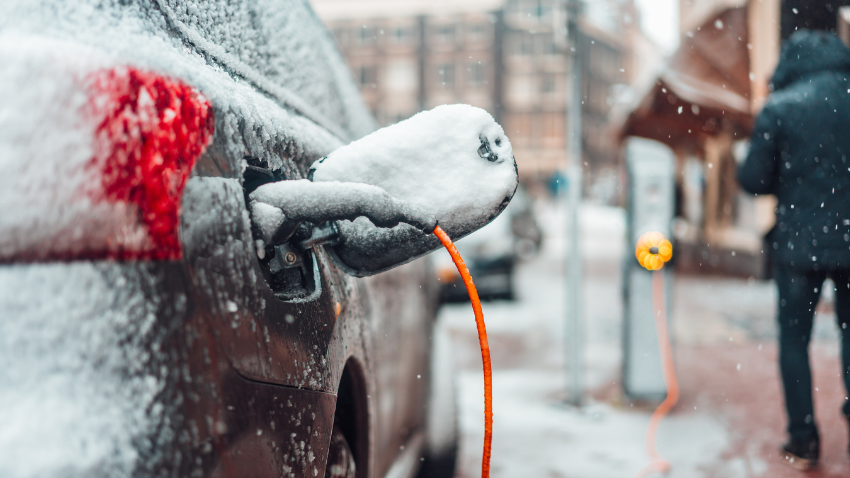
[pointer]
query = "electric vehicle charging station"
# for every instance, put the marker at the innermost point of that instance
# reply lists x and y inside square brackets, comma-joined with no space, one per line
[650,168]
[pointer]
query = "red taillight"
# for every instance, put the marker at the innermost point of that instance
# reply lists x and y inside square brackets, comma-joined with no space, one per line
[150,131]
[93,164]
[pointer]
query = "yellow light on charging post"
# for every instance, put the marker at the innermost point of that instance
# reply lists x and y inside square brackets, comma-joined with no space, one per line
[653,250]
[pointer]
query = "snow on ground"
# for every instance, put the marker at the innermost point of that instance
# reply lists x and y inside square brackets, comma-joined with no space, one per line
[534,433]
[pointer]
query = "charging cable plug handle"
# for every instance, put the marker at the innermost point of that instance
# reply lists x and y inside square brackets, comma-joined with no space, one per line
[274,205]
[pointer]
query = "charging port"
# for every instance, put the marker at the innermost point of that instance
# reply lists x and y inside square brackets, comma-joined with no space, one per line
[290,272]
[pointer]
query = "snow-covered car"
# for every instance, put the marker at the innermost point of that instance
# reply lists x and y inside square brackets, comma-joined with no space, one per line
[492,253]
[144,330]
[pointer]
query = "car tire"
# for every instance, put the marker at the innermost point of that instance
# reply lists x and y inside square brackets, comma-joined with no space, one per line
[340,462]
[441,437]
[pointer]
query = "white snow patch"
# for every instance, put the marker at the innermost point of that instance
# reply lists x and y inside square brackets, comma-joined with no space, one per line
[535,435]
[74,392]
[432,160]
[267,218]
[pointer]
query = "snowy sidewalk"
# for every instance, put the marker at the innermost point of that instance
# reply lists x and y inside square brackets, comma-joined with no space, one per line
[729,420]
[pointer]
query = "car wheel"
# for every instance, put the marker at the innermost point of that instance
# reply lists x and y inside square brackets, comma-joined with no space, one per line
[340,458]
[441,451]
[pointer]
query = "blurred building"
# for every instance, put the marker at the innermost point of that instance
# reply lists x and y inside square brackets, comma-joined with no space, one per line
[509,57]
[703,103]
[413,55]
[536,81]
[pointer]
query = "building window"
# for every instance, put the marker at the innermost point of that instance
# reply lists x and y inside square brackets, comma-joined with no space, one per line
[522,44]
[548,46]
[366,35]
[446,33]
[367,75]
[548,85]
[553,130]
[476,31]
[476,74]
[521,91]
[542,9]
[446,75]
[531,9]
[519,129]
[401,35]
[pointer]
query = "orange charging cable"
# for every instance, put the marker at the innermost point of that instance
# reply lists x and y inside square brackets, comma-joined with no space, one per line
[652,251]
[485,347]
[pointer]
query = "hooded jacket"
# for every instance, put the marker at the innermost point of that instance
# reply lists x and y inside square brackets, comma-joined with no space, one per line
[800,152]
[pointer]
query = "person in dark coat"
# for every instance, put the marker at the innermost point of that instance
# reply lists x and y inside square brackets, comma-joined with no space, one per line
[800,152]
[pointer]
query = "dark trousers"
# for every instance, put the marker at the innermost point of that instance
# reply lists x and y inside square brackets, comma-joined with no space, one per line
[799,291]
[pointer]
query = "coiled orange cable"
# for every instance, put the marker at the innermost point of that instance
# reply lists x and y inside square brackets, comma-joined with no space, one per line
[485,347]
[657,463]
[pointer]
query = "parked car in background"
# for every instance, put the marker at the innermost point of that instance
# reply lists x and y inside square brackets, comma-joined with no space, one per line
[492,253]
[144,329]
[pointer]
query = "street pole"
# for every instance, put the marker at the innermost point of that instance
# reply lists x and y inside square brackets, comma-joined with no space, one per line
[573,275]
